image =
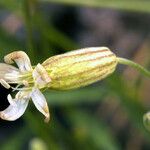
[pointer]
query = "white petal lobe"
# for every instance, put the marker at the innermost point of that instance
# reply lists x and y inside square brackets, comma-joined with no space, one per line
[11,100]
[8,72]
[21,59]
[15,110]
[40,76]
[40,103]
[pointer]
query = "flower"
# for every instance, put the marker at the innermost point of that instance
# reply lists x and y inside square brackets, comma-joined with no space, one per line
[61,72]
[29,81]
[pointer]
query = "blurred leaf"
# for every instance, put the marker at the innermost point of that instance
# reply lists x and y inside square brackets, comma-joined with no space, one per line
[8,44]
[86,125]
[16,141]
[52,34]
[48,35]
[86,95]
[58,38]
[12,5]
[135,5]
[41,129]
[129,100]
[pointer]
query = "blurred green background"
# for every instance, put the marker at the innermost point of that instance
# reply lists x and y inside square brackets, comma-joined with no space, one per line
[107,115]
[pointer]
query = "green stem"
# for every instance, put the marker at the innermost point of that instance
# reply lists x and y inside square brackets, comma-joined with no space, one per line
[29,28]
[134,65]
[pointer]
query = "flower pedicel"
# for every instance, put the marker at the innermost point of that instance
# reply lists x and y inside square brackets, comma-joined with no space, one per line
[67,71]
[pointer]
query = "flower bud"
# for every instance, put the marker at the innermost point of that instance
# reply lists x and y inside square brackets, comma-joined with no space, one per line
[80,67]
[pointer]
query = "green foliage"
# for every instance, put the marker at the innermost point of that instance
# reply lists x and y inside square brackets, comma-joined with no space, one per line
[8,43]
[93,130]
[84,95]
[17,140]
[135,5]
[12,5]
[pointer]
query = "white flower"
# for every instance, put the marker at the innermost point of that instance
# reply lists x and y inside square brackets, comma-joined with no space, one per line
[30,80]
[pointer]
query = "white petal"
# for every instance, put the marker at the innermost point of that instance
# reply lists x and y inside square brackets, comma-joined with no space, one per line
[21,59]
[40,103]
[40,76]
[8,72]
[23,95]
[4,83]
[39,82]
[15,110]
[11,101]
[44,74]
[23,64]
